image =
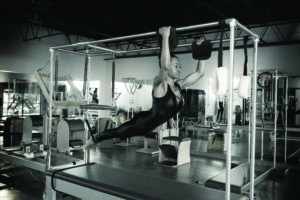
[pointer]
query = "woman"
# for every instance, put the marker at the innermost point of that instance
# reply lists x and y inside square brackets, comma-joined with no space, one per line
[167,99]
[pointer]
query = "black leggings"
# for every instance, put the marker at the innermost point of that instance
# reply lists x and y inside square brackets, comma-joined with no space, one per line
[141,124]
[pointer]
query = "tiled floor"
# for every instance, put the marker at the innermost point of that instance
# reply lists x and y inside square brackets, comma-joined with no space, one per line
[23,183]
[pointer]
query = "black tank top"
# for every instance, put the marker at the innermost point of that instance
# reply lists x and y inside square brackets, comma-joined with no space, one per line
[167,107]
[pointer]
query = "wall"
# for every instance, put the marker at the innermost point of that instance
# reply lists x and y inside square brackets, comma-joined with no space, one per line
[26,57]
[268,58]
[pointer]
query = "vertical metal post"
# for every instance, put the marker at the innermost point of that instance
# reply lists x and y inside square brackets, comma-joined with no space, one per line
[252,161]
[85,75]
[262,145]
[275,118]
[8,96]
[177,124]
[113,73]
[21,93]
[249,132]
[263,124]
[15,86]
[86,154]
[249,121]
[285,116]
[232,24]
[48,162]
[56,77]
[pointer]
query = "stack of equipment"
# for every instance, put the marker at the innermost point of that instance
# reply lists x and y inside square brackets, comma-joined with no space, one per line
[151,144]
[70,133]
[174,150]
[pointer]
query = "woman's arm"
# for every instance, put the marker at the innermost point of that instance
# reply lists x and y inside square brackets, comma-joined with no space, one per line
[193,77]
[159,84]
[165,58]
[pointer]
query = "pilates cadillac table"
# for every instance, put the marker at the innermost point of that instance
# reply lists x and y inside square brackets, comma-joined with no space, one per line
[96,181]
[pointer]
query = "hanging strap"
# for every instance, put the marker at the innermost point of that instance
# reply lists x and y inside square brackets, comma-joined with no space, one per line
[86,61]
[222,25]
[113,78]
[246,38]
[91,131]
[56,75]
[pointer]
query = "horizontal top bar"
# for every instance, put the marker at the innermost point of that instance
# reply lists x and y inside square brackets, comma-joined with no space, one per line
[138,35]
[111,51]
[187,28]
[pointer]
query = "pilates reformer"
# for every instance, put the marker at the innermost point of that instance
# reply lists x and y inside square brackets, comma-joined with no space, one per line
[94,181]
[89,181]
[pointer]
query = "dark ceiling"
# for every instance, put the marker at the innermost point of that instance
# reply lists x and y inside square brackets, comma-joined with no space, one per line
[104,19]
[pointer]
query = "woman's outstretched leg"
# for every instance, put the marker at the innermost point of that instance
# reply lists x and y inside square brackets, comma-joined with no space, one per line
[139,125]
[98,137]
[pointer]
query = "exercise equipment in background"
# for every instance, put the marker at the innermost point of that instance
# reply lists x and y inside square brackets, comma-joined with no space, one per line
[174,150]
[151,143]
[70,133]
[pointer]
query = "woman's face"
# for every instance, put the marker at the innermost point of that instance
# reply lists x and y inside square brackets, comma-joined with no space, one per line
[174,71]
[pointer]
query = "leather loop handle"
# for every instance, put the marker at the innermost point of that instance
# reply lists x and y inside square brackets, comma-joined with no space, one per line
[222,24]
[246,38]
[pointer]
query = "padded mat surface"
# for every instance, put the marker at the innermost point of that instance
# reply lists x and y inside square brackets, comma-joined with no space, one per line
[132,185]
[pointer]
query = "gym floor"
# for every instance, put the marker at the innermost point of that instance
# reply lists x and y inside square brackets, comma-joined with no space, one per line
[17,182]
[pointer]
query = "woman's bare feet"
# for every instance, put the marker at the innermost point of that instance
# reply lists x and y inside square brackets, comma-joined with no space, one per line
[90,143]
